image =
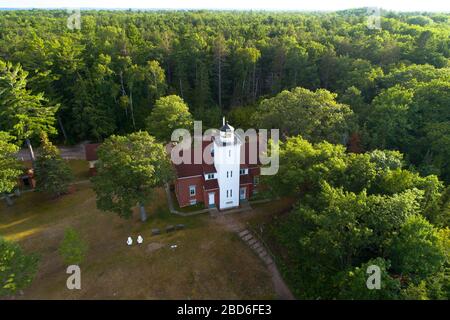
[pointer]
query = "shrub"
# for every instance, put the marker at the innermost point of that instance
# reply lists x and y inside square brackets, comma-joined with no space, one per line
[72,249]
[17,269]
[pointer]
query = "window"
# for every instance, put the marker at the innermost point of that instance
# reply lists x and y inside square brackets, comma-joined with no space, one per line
[227,193]
[255,180]
[192,190]
[229,153]
[231,174]
[243,171]
[210,176]
[231,193]
[227,174]
[192,202]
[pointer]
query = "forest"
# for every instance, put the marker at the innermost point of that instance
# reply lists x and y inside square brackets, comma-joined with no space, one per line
[106,76]
[364,115]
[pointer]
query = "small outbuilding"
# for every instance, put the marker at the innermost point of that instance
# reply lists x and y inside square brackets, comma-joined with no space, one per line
[91,156]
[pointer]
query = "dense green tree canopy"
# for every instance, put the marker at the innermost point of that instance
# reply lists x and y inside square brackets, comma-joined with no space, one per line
[169,113]
[352,210]
[417,250]
[108,75]
[351,283]
[314,115]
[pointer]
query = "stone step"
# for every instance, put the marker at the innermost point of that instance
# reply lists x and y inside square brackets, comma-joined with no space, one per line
[263,254]
[256,246]
[243,233]
[260,249]
[247,237]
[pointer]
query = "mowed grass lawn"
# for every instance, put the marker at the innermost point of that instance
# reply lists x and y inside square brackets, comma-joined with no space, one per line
[209,262]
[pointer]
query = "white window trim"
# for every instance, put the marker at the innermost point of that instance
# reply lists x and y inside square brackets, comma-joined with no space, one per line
[192,188]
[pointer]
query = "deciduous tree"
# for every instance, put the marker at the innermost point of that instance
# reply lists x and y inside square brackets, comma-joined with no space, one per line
[17,269]
[9,166]
[168,114]
[128,171]
[314,115]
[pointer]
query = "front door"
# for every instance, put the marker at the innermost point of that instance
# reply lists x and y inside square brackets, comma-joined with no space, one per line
[211,199]
[242,193]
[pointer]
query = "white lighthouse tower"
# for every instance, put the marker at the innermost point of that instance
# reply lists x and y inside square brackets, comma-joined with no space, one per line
[227,156]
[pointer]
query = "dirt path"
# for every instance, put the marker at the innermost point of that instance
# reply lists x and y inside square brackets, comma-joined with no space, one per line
[232,224]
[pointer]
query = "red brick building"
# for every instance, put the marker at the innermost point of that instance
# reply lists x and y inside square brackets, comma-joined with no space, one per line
[200,183]
[91,156]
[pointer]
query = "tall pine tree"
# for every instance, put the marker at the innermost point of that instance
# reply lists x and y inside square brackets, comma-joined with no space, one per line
[53,175]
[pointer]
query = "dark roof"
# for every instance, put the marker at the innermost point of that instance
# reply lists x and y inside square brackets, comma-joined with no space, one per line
[211,184]
[184,170]
[245,179]
[91,151]
[188,170]
[209,168]
[191,169]
[226,127]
